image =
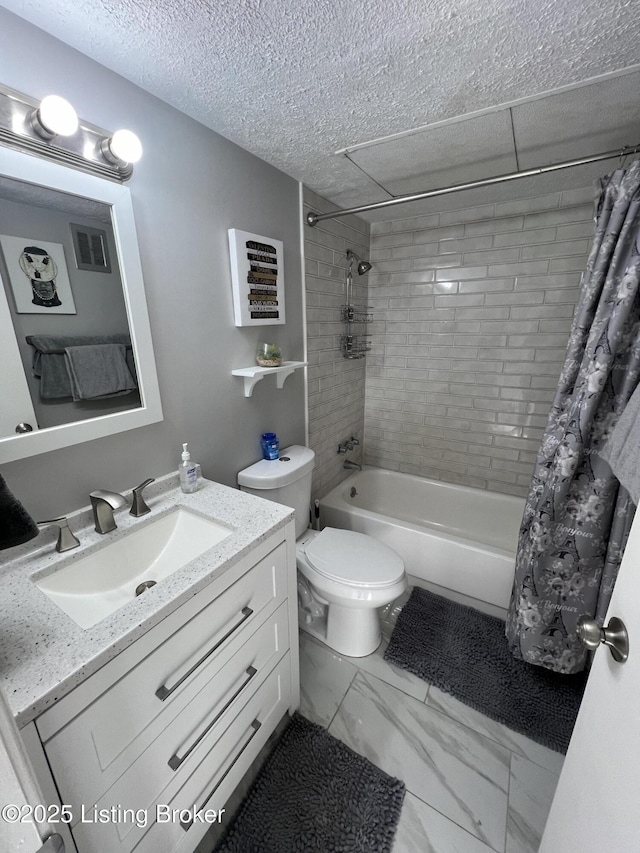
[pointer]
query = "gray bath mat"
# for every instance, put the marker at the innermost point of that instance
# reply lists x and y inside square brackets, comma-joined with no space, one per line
[315,795]
[465,653]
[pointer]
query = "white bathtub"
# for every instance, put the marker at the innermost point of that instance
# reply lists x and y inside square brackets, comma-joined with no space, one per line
[457,541]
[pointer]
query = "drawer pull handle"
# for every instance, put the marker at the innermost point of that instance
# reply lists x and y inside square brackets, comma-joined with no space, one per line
[255,725]
[163,692]
[176,760]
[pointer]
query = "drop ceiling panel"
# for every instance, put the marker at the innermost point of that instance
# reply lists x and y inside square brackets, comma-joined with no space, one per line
[587,120]
[453,153]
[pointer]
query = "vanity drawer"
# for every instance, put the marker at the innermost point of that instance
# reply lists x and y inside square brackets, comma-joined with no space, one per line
[127,717]
[220,766]
[177,736]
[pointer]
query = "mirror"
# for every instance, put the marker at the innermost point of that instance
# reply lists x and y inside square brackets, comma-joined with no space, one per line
[74,286]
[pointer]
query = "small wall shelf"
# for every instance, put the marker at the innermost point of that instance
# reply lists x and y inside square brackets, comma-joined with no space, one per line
[253,375]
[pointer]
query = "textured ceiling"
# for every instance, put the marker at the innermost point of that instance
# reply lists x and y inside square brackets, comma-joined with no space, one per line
[294,82]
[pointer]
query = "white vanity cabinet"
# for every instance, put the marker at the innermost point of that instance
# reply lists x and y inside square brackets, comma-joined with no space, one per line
[174,721]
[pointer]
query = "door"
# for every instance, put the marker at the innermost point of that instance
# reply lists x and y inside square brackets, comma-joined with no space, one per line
[14,386]
[597,802]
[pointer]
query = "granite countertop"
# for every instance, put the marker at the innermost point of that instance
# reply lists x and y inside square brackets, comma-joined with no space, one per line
[44,654]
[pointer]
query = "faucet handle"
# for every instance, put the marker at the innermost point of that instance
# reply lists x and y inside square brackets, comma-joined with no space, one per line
[139,505]
[66,539]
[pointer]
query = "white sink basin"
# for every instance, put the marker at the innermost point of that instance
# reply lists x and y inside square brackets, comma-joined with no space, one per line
[92,587]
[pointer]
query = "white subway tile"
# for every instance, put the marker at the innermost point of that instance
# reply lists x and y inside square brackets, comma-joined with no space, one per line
[577,263]
[519,312]
[423,250]
[561,216]
[524,268]
[556,250]
[494,256]
[494,226]
[584,195]
[483,313]
[383,241]
[461,273]
[488,285]
[451,232]
[414,223]
[537,341]
[468,244]
[576,231]
[567,295]
[459,301]
[469,214]
[522,298]
[525,238]
[380,228]
[528,205]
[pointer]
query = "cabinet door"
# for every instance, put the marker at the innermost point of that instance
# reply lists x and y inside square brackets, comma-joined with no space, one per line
[156,825]
[182,733]
[96,748]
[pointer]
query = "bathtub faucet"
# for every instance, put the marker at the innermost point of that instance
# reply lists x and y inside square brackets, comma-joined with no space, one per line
[352,465]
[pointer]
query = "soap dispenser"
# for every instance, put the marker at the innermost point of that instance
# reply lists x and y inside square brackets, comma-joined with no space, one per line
[188,472]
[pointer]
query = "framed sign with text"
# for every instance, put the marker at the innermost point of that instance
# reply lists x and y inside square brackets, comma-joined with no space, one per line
[257,278]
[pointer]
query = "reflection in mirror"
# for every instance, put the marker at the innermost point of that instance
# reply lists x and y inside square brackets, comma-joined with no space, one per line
[75,341]
[66,304]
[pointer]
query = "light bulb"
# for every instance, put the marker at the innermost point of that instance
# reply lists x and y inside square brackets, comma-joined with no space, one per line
[123,147]
[56,117]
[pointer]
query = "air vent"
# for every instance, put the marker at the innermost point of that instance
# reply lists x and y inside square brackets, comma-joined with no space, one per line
[90,246]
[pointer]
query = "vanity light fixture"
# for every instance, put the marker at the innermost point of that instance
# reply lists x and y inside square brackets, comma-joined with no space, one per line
[122,148]
[54,117]
[50,128]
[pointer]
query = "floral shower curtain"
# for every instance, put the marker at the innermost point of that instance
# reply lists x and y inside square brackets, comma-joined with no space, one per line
[577,516]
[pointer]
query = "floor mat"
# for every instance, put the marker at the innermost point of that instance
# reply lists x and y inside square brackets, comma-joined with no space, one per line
[315,795]
[464,653]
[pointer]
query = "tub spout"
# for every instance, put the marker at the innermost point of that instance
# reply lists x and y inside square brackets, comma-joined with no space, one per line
[352,465]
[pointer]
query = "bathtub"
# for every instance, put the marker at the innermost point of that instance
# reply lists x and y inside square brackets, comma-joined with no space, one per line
[457,541]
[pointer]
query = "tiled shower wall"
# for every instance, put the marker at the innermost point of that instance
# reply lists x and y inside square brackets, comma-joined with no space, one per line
[336,385]
[472,312]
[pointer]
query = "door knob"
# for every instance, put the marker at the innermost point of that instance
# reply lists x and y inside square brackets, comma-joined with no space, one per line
[24,427]
[614,635]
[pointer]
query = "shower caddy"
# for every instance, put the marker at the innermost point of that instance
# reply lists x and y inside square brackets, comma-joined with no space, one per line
[354,344]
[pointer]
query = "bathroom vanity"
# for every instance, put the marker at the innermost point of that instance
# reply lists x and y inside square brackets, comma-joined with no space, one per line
[140,727]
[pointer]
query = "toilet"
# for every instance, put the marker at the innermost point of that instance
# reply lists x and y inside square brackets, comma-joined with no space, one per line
[343,576]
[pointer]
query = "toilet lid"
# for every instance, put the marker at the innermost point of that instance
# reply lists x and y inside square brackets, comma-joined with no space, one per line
[354,558]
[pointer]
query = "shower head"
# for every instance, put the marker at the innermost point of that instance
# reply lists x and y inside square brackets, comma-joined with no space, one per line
[363,266]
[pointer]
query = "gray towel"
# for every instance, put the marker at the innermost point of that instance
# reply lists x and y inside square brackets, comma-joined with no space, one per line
[622,449]
[98,371]
[50,366]
[16,525]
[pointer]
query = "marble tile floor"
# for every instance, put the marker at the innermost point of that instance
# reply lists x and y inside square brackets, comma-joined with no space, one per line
[473,786]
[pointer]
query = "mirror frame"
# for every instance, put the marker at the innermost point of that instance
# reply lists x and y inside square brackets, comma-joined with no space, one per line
[34,170]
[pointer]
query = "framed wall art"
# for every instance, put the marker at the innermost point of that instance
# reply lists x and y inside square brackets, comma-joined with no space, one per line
[257,279]
[38,275]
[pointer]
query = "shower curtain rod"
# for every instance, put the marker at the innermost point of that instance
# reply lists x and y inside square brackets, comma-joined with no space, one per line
[313,218]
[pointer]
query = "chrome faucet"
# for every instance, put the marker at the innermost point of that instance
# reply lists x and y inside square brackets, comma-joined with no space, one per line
[352,465]
[103,504]
[348,444]
[66,539]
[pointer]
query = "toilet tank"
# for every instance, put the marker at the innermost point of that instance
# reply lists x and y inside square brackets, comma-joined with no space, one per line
[286,480]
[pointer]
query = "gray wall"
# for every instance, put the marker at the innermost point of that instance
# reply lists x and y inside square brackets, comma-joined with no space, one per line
[472,313]
[336,385]
[189,188]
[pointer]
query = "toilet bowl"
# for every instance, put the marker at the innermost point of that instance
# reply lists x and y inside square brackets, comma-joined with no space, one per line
[349,576]
[343,576]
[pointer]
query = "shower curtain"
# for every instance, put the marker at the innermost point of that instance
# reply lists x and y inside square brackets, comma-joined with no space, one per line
[577,516]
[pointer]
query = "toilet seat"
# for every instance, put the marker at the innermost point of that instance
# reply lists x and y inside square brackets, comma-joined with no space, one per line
[354,559]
